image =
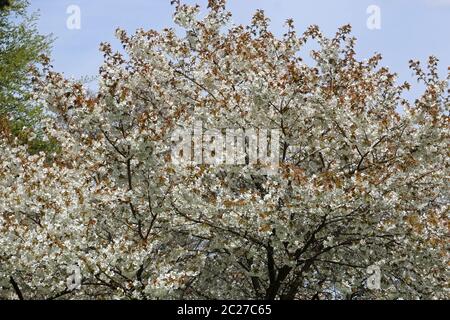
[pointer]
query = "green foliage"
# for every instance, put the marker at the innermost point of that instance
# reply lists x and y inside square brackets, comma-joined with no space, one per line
[21,47]
[4,4]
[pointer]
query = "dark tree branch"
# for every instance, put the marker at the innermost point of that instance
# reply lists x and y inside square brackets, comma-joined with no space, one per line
[16,288]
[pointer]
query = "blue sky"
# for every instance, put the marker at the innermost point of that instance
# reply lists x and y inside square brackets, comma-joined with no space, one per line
[409,28]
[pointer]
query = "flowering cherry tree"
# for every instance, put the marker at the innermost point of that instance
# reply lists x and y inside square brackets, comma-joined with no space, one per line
[358,184]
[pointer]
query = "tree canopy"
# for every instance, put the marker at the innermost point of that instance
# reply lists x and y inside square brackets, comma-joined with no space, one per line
[358,184]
